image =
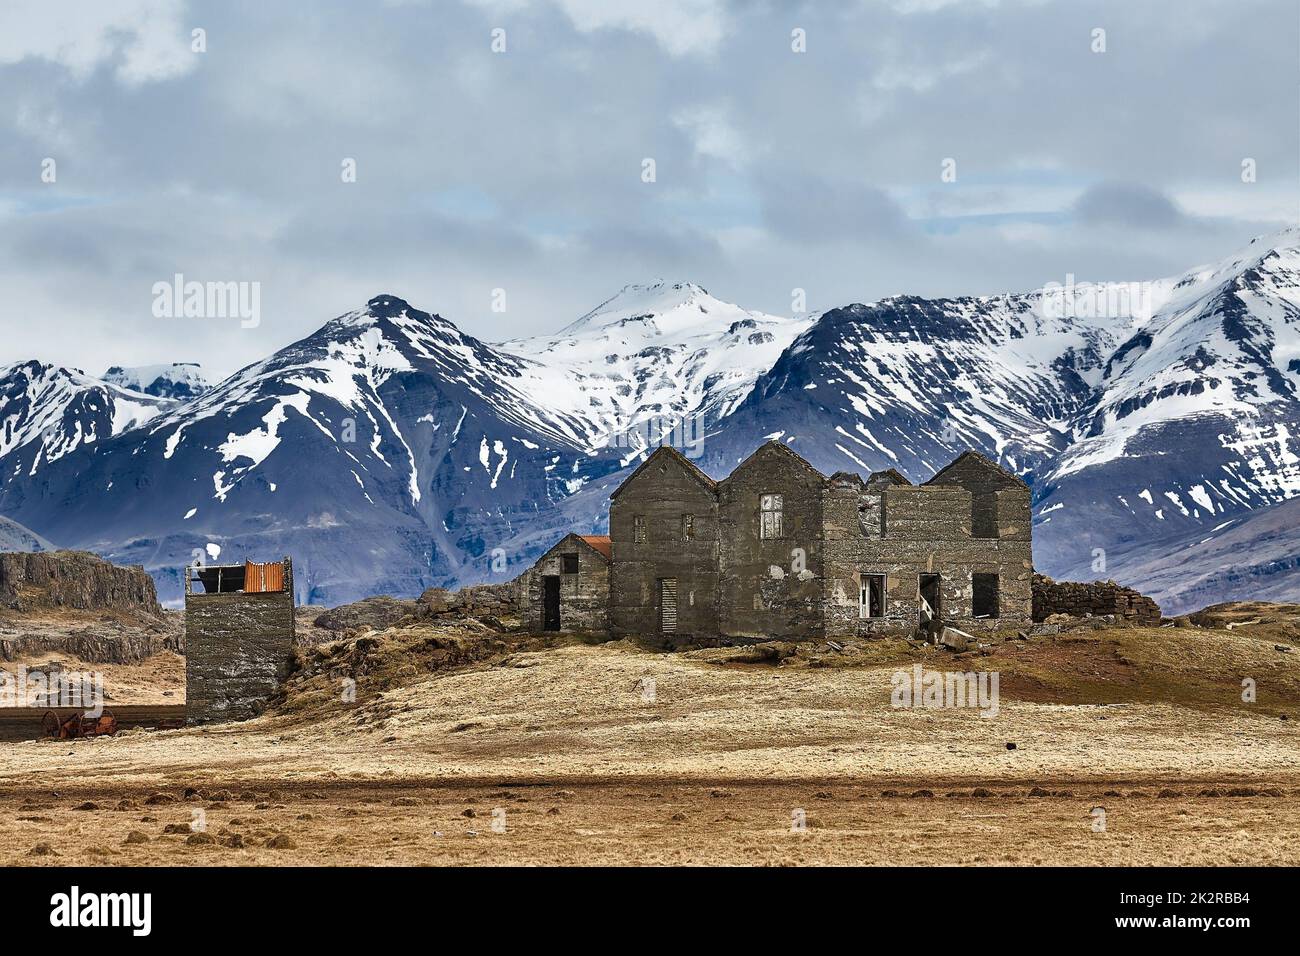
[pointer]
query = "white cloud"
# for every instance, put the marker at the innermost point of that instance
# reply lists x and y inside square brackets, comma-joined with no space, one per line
[681,27]
[146,38]
[712,133]
[921,77]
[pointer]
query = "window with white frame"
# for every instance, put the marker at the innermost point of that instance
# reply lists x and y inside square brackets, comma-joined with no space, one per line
[871,596]
[769,507]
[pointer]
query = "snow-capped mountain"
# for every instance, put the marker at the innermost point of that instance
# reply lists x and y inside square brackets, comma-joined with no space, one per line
[178,380]
[908,383]
[389,451]
[47,412]
[1196,420]
[661,353]
[386,451]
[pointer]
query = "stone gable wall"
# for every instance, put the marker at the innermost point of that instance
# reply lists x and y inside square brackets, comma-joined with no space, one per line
[771,588]
[661,494]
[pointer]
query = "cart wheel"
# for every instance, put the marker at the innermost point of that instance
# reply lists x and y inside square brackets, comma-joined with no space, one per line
[50,724]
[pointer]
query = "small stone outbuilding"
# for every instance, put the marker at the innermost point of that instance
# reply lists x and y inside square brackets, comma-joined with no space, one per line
[239,627]
[567,590]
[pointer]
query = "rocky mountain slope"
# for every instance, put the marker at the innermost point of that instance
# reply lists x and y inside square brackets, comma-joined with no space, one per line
[1256,554]
[1194,425]
[47,412]
[14,537]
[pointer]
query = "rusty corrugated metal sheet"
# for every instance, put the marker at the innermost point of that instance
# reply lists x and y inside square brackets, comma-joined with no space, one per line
[263,577]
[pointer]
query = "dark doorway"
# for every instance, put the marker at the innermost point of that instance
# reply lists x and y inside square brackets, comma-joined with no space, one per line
[929,587]
[551,602]
[668,605]
[984,595]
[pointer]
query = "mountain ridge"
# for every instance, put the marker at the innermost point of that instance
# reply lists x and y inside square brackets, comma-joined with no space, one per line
[390,450]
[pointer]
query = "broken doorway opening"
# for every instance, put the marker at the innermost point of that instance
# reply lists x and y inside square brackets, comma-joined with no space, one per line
[928,585]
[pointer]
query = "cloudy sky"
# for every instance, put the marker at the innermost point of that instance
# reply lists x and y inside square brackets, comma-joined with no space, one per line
[522,170]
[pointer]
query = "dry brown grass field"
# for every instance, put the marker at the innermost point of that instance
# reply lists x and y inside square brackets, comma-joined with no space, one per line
[557,754]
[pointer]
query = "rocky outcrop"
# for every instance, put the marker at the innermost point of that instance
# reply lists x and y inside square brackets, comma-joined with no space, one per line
[98,642]
[484,602]
[77,580]
[1097,599]
[75,603]
[373,612]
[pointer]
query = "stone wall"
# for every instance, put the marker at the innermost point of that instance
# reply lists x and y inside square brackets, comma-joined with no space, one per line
[665,487]
[74,579]
[770,588]
[927,531]
[985,483]
[1097,599]
[584,594]
[479,601]
[238,648]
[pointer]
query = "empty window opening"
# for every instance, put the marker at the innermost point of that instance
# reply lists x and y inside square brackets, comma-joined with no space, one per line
[569,563]
[983,517]
[770,516]
[984,595]
[638,529]
[688,527]
[871,596]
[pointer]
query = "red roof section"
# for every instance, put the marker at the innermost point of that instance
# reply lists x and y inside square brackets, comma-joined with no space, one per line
[598,541]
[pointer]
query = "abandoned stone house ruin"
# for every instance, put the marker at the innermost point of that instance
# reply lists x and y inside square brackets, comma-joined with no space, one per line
[239,637]
[568,587]
[777,550]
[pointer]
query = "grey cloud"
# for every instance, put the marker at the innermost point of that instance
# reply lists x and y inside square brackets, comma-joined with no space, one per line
[812,209]
[476,171]
[1128,204]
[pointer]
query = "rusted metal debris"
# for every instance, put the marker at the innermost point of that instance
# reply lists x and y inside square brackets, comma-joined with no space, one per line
[77,725]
